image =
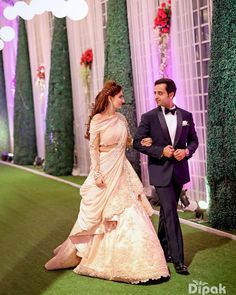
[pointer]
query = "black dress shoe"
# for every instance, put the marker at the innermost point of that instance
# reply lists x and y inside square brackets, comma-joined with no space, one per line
[180,268]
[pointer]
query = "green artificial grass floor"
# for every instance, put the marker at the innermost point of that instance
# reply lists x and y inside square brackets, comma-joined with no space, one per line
[75,179]
[36,214]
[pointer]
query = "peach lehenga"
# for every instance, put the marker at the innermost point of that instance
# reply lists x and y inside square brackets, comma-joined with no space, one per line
[113,237]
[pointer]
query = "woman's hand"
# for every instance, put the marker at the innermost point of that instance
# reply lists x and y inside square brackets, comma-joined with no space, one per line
[129,142]
[100,182]
[146,141]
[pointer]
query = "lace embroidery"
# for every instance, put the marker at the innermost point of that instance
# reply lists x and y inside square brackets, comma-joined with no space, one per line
[122,277]
[130,253]
[120,200]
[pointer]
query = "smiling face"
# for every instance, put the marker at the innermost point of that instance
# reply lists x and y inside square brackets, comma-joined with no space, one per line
[118,100]
[162,97]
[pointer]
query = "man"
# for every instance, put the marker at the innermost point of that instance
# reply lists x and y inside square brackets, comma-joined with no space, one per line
[174,140]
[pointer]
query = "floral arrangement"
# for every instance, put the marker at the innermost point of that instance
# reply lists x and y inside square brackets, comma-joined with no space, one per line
[162,24]
[41,78]
[85,70]
[87,58]
[41,72]
[162,20]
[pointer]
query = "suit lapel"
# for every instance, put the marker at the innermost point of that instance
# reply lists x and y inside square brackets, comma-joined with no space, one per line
[179,125]
[164,125]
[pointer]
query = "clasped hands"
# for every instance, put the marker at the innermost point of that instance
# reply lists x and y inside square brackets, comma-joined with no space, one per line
[168,151]
[178,154]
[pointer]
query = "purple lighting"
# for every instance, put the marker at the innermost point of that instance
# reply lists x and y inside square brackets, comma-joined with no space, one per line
[9,2]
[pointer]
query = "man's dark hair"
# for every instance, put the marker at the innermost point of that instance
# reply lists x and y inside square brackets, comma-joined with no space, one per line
[170,84]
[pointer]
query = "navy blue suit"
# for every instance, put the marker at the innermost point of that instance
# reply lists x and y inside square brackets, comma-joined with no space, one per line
[168,174]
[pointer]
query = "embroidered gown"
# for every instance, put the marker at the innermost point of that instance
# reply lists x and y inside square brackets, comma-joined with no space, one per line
[113,233]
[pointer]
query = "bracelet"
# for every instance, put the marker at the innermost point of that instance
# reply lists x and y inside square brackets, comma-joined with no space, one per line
[96,174]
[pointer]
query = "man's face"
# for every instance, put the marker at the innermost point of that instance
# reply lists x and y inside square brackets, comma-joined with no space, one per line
[162,97]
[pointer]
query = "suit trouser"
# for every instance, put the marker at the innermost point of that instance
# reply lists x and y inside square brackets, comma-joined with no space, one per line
[169,230]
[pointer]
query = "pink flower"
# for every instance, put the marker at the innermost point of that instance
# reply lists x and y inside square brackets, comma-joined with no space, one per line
[41,72]
[163,4]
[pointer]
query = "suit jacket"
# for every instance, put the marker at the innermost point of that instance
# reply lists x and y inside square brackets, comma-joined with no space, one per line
[161,169]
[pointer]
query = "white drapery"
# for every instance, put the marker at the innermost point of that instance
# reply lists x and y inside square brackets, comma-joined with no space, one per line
[145,61]
[84,34]
[39,31]
[183,60]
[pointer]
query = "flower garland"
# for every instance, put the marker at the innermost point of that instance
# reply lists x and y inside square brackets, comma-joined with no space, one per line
[85,70]
[41,79]
[162,29]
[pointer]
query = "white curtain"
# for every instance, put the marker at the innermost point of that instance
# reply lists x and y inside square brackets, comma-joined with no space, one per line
[183,60]
[145,61]
[183,53]
[39,31]
[84,34]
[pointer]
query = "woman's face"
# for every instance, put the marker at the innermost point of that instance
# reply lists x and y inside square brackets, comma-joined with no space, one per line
[118,100]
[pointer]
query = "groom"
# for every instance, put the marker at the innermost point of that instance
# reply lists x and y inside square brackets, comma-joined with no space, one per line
[174,140]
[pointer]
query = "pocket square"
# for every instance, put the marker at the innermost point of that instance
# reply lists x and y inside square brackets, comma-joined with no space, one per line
[185,123]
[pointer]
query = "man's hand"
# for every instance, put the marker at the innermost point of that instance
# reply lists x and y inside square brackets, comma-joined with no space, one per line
[168,151]
[100,182]
[146,141]
[179,154]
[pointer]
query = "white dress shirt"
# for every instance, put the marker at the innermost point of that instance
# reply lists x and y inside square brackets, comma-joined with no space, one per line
[171,121]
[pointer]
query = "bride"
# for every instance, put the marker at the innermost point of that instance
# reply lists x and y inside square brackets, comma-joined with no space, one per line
[113,237]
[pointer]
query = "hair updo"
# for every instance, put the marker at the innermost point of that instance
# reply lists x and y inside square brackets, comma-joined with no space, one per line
[110,88]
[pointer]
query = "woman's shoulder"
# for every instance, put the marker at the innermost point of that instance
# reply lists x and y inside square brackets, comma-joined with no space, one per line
[97,117]
[100,121]
[101,118]
[96,123]
[121,116]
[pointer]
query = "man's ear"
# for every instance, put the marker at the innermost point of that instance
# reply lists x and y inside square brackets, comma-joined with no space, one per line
[171,95]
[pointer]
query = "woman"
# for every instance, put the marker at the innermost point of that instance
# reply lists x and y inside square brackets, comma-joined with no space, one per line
[113,237]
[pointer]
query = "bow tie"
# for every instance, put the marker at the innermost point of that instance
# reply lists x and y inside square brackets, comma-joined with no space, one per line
[167,111]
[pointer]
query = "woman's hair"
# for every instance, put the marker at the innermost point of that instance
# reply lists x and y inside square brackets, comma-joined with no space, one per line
[110,88]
